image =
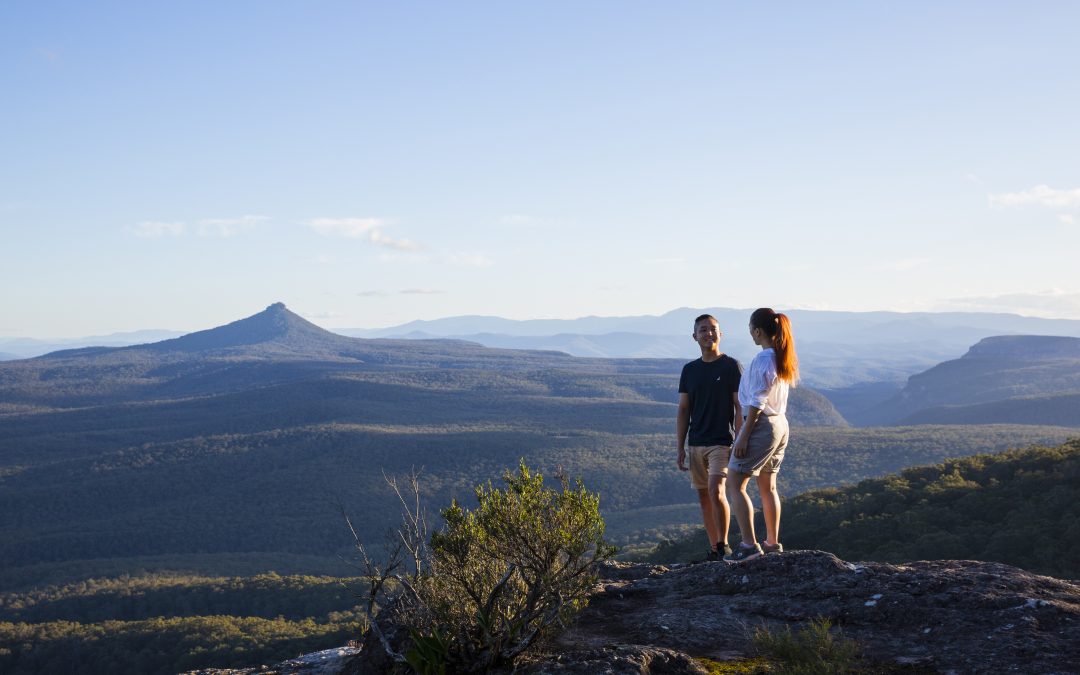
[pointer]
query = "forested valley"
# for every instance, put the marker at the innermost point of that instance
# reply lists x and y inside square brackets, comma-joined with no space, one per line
[180,504]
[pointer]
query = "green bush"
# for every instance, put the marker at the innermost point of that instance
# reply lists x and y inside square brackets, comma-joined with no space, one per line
[505,574]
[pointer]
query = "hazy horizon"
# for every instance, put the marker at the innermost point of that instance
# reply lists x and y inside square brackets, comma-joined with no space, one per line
[344,330]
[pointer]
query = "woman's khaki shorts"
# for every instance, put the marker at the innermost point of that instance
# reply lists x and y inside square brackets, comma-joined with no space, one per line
[765,449]
[705,461]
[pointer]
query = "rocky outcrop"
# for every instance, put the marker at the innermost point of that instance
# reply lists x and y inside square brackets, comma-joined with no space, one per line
[934,616]
[945,616]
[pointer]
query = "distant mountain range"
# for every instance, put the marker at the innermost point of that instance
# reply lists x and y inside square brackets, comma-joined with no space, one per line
[838,349]
[25,348]
[1028,379]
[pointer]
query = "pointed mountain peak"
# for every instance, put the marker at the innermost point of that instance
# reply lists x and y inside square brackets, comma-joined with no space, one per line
[275,327]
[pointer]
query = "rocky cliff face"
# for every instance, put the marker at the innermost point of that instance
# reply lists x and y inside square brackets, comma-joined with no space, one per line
[931,616]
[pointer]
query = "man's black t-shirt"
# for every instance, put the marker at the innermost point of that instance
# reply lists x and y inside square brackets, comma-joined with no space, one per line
[712,409]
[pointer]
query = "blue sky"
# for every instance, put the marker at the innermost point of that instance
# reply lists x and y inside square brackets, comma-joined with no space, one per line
[182,165]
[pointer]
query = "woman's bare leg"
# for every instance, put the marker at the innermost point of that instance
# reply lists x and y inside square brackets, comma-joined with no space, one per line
[770,506]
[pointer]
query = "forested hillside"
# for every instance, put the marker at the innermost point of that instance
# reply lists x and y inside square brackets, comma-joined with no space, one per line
[1020,507]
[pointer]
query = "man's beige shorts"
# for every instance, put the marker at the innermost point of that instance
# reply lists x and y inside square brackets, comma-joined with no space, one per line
[705,461]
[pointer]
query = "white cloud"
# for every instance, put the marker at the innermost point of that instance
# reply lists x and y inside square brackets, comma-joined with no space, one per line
[353,228]
[1040,195]
[905,264]
[228,227]
[361,228]
[468,259]
[156,228]
[1052,304]
[666,261]
[420,291]
[411,258]
[371,294]
[520,220]
[207,227]
[378,238]
[1066,218]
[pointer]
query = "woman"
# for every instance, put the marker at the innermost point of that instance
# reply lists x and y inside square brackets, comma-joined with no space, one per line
[759,447]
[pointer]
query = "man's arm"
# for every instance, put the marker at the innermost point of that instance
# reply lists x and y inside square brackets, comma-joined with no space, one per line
[682,428]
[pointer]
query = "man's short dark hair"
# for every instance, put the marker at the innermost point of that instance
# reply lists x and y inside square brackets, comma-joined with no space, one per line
[703,317]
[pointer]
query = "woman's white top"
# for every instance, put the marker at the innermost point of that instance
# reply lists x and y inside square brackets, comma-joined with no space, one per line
[760,386]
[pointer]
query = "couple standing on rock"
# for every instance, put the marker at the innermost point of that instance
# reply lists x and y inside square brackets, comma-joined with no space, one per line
[735,423]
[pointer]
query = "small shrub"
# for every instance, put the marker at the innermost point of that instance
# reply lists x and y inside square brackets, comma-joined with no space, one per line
[512,570]
[494,580]
[813,650]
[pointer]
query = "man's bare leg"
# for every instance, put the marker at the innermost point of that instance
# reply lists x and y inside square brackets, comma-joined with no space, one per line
[708,516]
[721,510]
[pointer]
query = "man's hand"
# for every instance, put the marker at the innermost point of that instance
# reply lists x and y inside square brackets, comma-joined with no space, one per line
[682,460]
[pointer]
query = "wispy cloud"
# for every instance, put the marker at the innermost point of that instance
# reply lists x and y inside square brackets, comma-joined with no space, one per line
[665,261]
[370,229]
[420,291]
[207,227]
[905,264]
[371,294]
[1067,218]
[228,227]
[468,259]
[380,239]
[353,228]
[1053,303]
[1040,195]
[520,220]
[155,228]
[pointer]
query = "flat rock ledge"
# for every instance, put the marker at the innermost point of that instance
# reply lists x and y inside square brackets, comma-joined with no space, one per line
[948,616]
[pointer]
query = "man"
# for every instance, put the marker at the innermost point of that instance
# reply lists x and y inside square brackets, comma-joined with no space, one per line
[709,413]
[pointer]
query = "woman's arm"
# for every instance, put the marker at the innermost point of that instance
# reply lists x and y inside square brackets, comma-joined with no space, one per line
[739,448]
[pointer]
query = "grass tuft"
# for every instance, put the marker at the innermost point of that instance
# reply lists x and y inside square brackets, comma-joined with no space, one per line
[813,650]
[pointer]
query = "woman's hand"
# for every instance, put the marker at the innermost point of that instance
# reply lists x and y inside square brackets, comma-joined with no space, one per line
[738,448]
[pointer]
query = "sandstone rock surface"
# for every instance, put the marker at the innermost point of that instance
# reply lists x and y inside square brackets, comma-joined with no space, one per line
[945,616]
[948,616]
